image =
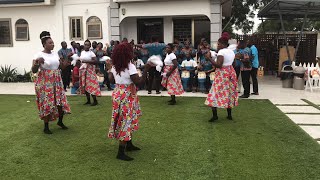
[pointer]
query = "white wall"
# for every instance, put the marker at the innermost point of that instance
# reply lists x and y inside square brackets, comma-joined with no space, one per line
[128,29]
[39,18]
[49,18]
[167,8]
[86,9]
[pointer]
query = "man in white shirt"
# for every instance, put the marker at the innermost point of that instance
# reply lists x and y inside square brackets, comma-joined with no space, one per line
[190,65]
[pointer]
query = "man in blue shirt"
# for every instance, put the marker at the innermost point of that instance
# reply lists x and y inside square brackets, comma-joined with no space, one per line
[155,48]
[243,55]
[255,66]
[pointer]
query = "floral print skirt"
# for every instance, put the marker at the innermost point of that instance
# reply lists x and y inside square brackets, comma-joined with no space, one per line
[89,81]
[173,83]
[50,94]
[223,93]
[125,112]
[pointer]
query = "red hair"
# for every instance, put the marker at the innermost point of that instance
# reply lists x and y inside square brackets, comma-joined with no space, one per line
[122,54]
[224,39]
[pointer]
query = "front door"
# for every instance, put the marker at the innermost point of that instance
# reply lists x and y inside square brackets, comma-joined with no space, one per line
[148,28]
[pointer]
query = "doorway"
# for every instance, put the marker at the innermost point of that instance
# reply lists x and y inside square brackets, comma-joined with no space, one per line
[148,28]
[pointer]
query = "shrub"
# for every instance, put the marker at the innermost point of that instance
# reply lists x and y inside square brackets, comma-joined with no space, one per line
[8,74]
[26,77]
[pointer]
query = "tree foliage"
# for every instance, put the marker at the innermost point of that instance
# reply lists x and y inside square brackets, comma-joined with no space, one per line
[243,14]
[290,25]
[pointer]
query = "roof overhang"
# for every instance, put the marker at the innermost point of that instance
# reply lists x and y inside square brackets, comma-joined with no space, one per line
[24,3]
[291,9]
[226,7]
[226,4]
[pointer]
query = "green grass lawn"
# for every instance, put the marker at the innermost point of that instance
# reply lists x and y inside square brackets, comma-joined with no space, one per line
[177,142]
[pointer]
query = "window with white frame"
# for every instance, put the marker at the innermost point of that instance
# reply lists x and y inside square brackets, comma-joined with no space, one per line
[5,33]
[75,29]
[22,30]
[94,28]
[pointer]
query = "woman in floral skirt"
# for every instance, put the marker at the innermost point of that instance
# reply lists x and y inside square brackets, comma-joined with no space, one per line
[88,78]
[125,102]
[223,93]
[50,95]
[171,78]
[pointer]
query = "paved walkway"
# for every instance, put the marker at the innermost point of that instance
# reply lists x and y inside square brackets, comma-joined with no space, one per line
[302,107]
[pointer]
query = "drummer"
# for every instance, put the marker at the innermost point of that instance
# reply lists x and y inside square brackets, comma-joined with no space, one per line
[137,62]
[206,66]
[190,65]
[139,66]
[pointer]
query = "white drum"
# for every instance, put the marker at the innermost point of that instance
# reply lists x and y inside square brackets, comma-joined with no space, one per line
[202,75]
[185,74]
[212,76]
[100,79]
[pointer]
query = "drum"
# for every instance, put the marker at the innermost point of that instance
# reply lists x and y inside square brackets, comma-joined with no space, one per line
[212,76]
[201,75]
[139,72]
[202,80]
[100,79]
[185,74]
[185,78]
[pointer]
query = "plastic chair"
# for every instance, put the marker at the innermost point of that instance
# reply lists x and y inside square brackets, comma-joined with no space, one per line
[313,79]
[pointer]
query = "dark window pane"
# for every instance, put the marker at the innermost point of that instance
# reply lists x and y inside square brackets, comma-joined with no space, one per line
[22,33]
[78,28]
[5,33]
[94,31]
[73,28]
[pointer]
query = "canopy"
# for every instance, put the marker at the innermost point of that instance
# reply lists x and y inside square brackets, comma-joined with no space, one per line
[291,9]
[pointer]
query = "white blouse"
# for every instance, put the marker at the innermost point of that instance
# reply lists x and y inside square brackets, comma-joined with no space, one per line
[51,61]
[169,58]
[86,56]
[228,55]
[124,77]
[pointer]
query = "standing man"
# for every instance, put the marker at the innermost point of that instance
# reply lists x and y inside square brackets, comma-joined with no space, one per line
[65,59]
[74,47]
[155,49]
[243,54]
[94,46]
[255,66]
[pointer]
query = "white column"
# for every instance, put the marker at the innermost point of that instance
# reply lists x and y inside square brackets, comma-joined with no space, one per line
[216,22]
[114,21]
[168,29]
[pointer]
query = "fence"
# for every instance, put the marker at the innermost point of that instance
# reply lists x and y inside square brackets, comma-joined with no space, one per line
[269,45]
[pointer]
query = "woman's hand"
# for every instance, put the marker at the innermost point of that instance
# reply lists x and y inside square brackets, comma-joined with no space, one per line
[40,61]
[168,74]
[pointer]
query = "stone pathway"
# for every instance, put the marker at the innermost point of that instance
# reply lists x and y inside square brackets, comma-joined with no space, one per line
[302,107]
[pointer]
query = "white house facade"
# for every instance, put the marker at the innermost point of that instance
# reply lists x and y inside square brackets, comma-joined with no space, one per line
[21,22]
